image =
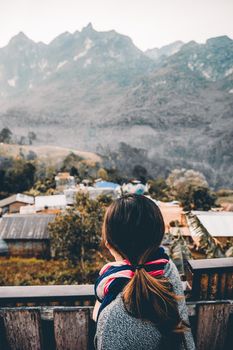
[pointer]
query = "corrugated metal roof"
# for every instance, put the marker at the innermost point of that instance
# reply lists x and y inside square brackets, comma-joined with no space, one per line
[18,226]
[16,198]
[218,224]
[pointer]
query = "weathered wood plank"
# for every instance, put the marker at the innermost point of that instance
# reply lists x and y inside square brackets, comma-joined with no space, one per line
[46,294]
[209,264]
[229,284]
[23,329]
[222,286]
[212,323]
[47,312]
[46,291]
[204,286]
[71,328]
[211,278]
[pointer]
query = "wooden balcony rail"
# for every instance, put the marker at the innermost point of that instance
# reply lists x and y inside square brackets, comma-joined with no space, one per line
[47,295]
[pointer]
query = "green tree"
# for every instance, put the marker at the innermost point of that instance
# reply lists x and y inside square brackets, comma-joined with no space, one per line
[76,233]
[197,198]
[191,189]
[5,135]
[31,155]
[23,140]
[31,137]
[159,189]
[140,173]
[102,173]
[71,160]
[180,180]
[19,177]
[114,175]
[74,171]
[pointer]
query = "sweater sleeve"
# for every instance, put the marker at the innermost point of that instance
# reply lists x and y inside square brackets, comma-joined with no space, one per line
[173,276]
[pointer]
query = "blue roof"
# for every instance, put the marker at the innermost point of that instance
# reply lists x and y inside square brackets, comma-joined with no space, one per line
[106,184]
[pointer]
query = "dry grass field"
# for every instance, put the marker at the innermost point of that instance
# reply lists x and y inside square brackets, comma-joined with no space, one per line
[23,272]
[48,154]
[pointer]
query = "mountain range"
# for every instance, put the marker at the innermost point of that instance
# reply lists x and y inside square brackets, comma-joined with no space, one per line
[97,91]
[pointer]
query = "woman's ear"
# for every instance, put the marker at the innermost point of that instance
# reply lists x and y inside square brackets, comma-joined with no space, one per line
[113,252]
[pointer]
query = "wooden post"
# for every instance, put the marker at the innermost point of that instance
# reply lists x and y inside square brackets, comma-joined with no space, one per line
[212,322]
[71,328]
[211,278]
[23,328]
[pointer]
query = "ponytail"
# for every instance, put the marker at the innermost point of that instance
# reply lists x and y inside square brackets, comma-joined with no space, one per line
[152,299]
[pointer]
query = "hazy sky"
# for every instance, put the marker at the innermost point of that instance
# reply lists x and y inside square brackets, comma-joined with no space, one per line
[150,23]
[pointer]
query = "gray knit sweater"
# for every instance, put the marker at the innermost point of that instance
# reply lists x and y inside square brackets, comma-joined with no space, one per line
[117,330]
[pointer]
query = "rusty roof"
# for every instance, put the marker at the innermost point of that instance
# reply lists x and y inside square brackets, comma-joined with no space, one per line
[19,226]
[170,212]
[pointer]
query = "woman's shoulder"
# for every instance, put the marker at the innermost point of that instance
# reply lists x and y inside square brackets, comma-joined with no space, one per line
[172,274]
[112,324]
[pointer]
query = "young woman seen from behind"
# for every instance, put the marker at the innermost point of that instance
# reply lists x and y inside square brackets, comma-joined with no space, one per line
[140,303]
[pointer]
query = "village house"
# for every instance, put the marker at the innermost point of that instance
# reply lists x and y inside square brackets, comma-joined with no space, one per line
[13,203]
[99,188]
[64,181]
[26,235]
[46,204]
[219,225]
[57,201]
[172,213]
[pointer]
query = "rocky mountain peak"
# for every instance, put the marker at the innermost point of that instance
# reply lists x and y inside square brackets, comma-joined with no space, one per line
[20,39]
[88,28]
[166,50]
[60,39]
[219,41]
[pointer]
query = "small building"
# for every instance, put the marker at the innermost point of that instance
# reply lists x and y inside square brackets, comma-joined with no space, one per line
[219,225]
[172,213]
[57,201]
[26,235]
[95,192]
[71,194]
[64,180]
[13,203]
[100,188]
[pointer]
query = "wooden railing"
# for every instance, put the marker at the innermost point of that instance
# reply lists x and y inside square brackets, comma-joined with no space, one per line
[60,317]
[47,295]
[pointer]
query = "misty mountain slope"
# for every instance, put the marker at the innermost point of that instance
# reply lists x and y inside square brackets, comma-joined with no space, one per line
[176,96]
[90,89]
[165,51]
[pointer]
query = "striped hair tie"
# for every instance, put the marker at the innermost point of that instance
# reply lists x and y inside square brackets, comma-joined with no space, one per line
[115,275]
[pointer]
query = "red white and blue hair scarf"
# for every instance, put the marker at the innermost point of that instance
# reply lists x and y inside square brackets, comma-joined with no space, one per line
[114,276]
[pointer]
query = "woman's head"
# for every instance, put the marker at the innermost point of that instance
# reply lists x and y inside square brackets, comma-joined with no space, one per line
[134,227]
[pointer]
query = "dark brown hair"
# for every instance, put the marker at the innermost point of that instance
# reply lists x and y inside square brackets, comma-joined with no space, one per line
[134,227]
